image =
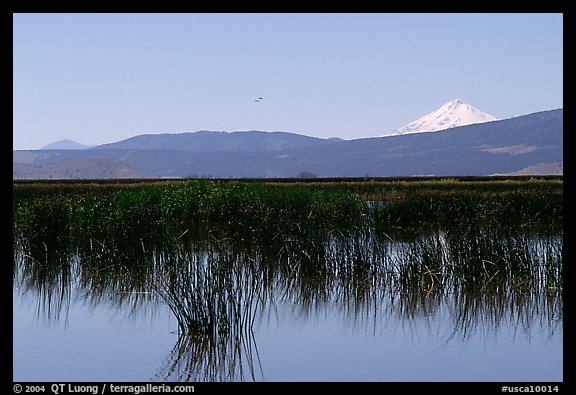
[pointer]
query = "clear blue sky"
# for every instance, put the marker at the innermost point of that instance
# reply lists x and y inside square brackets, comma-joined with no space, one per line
[99,78]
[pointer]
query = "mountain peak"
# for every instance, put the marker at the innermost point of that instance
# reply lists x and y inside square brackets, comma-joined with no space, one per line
[451,114]
[65,144]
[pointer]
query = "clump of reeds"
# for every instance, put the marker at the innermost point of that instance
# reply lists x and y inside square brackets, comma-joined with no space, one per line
[208,291]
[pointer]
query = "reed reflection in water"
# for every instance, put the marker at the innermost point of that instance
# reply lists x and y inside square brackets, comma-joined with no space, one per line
[218,288]
[214,297]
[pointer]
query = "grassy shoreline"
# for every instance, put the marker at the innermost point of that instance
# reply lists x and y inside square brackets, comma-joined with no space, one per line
[512,200]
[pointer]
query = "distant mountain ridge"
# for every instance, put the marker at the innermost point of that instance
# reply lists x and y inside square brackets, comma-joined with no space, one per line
[526,143]
[203,141]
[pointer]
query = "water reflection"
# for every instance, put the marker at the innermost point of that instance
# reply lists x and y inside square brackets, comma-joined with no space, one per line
[225,357]
[478,278]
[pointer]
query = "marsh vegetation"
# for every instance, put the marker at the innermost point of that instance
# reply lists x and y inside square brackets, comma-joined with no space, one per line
[222,254]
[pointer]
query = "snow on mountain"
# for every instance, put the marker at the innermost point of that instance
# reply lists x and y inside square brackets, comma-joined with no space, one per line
[449,115]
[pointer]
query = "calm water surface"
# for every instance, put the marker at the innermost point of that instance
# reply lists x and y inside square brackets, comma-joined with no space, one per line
[479,305]
[331,341]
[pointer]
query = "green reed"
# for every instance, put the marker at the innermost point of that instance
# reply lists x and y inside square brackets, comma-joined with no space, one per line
[261,206]
[505,208]
[209,291]
[229,209]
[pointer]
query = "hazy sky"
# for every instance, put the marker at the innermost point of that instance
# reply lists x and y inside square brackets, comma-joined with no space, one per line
[99,78]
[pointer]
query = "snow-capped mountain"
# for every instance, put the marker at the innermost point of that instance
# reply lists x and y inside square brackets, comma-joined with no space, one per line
[449,115]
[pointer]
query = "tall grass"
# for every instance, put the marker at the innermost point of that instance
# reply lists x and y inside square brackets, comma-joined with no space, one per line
[259,212]
[472,208]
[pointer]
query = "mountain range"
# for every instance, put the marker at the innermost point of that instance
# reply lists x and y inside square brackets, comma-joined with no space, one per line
[529,144]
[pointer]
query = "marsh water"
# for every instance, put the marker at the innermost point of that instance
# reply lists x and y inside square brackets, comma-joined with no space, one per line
[434,304]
